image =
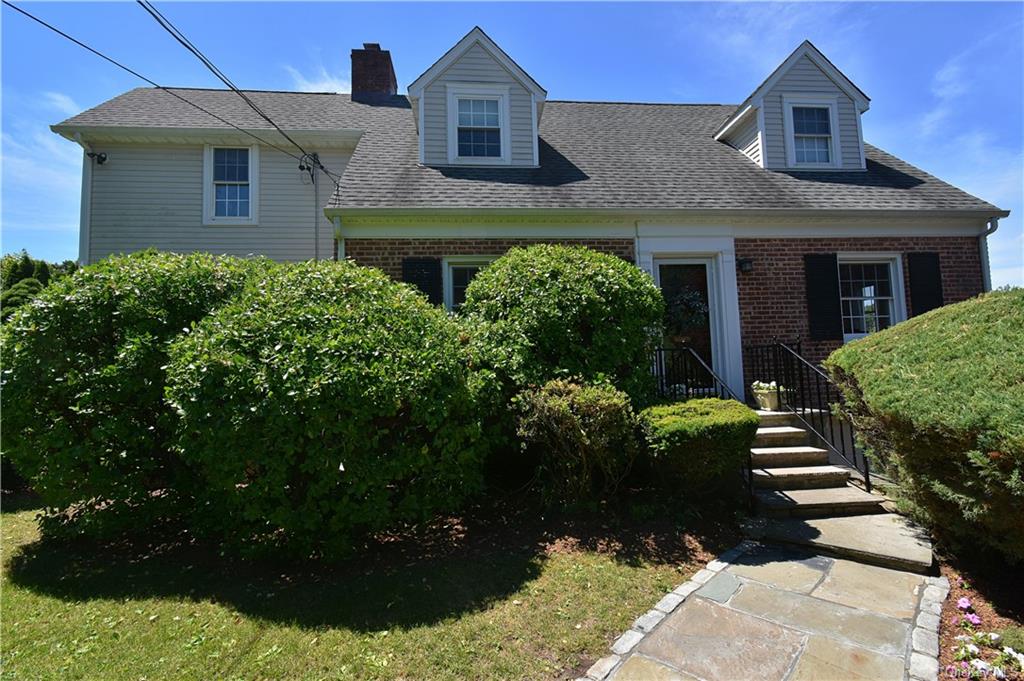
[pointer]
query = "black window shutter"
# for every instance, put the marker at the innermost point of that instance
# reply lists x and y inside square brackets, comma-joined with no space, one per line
[925,282]
[425,274]
[824,315]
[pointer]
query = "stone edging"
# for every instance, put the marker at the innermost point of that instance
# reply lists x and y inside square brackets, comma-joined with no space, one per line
[924,639]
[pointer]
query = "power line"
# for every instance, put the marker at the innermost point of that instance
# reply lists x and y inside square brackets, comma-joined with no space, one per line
[142,77]
[176,33]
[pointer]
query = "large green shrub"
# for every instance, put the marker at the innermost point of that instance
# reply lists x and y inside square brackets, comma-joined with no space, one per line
[939,401]
[547,312]
[583,436]
[700,445]
[325,402]
[84,417]
[17,295]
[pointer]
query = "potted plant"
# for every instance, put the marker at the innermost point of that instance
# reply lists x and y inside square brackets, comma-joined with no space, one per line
[768,395]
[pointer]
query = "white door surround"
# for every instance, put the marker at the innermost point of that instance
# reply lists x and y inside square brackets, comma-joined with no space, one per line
[719,254]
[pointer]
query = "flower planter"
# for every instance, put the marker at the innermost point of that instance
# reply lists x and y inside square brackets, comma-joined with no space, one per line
[767,399]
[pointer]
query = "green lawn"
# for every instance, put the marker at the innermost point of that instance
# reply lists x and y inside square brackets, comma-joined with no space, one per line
[495,599]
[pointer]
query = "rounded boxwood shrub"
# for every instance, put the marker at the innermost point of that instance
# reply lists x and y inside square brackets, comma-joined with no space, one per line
[699,445]
[325,402]
[84,417]
[584,437]
[939,402]
[548,311]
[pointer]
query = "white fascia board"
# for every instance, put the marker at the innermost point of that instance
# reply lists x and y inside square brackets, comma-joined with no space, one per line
[476,36]
[733,121]
[341,138]
[640,213]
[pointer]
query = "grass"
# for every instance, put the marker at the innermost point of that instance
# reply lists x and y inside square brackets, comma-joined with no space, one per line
[498,597]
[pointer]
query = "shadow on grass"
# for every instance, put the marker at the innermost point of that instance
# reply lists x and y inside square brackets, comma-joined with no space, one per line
[453,566]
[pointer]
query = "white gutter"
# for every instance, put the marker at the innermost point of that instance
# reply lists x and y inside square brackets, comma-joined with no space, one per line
[986,273]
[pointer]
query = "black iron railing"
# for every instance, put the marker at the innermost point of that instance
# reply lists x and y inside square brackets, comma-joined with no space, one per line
[681,374]
[806,391]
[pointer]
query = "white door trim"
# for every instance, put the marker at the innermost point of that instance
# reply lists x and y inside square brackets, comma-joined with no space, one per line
[723,295]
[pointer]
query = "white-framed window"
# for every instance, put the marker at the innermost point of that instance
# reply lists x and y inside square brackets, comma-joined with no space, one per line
[871,294]
[230,185]
[478,124]
[811,127]
[457,271]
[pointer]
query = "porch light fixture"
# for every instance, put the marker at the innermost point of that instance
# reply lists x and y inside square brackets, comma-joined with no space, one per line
[745,264]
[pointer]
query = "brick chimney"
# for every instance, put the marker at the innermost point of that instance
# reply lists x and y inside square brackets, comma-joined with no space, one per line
[372,72]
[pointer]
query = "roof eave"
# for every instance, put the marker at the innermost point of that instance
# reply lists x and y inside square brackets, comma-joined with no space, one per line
[992,212]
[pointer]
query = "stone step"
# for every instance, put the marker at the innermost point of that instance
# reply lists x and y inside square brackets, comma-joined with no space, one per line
[806,503]
[887,539]
[775,418]
[778,457]
[780,435]
[801,477]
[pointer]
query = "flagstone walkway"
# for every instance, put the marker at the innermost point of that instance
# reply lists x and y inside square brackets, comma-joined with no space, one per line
[769,613]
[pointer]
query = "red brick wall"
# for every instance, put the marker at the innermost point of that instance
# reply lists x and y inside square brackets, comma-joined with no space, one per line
[387,254]
[772,298]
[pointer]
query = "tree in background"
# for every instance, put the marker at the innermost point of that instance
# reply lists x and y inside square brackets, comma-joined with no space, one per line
[22,277]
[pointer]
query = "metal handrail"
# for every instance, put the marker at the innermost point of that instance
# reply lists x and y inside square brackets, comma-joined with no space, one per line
[671,364]
[809,393]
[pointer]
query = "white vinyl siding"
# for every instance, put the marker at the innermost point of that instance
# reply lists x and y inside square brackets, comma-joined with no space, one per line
[805,78]
[476,66]
[148,196]
[745,138]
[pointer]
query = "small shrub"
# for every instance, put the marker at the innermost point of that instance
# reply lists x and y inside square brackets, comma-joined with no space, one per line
[19,294]
[325,402]
[584,437]
[939,402]
[700,445]
[548,312]
[84,417]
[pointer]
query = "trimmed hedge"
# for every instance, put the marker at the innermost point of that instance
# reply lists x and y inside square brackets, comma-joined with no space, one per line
[84,417]
[547,312]
[939,402]
[699,445]
[325,402]
[584,437]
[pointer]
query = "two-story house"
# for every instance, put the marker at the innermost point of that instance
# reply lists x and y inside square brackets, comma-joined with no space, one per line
[775,212]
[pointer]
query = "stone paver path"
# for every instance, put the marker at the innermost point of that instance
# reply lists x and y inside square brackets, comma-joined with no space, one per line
[772,613]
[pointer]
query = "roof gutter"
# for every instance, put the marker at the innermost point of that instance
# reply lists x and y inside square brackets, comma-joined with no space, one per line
[986,273]
[421,211]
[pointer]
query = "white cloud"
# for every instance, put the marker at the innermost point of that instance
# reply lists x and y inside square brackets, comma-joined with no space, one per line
[61,102]
[320,81]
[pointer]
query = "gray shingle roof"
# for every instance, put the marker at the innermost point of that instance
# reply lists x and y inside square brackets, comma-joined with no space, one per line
[593,156]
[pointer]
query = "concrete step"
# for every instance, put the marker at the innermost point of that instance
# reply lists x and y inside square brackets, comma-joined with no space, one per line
[777,457]
[801,477]
[887,539]
[807,503]
[768,436]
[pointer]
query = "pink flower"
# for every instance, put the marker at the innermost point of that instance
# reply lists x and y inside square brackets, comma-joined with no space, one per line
[964,603]
[972,618]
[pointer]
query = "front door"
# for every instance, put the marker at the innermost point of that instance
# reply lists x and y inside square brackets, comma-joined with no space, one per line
[689,318]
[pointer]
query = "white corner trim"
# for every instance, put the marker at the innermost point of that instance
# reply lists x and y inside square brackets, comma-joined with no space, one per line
[211,220]
[501,93]
[860,143]
[894,260]
[536,129]
[85,211]
[789,100]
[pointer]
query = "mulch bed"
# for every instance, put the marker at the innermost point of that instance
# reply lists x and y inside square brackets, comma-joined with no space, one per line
[994,590]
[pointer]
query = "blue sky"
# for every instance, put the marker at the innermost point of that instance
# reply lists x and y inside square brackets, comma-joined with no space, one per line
[945,79]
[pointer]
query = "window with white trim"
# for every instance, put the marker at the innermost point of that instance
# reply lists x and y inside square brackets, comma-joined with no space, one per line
[230,185]
[479,127]
[458,272]
[870,295]
[812,134]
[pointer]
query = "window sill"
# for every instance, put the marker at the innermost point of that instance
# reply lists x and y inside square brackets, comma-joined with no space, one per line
[229,222]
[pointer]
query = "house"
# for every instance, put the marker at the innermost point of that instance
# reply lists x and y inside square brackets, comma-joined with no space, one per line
[775,212]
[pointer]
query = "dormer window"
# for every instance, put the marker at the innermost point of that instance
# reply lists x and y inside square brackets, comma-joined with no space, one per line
[811,123]
[478,124]
[479,128]
[812,134]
